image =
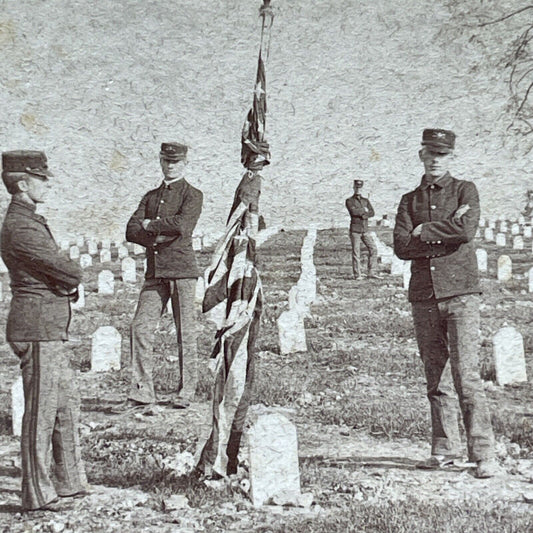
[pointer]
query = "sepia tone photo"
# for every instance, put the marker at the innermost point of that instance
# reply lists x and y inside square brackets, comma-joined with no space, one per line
[266,265]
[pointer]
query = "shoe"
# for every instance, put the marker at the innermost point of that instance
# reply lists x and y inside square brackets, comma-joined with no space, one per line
[130,406]
[77,495]
[176,403]
[436,462]
[487,468]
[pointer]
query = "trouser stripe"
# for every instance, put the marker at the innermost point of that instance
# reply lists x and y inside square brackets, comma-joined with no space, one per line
[35,390]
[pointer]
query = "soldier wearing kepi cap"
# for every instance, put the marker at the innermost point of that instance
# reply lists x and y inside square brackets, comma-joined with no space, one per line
[435,228]
[163,223]
[361,210]
[42,282]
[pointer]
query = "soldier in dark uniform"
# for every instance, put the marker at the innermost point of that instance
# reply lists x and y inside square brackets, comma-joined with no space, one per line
[164,223]
[361,210]
[42,283]
[435,228]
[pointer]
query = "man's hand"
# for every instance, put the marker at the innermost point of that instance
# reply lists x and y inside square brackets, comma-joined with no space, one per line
[161,238]
[417,231]
[461,210]
[145,223]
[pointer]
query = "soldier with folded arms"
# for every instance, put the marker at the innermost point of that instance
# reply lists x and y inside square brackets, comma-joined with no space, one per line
[42,282]
[435,228]
[163,223]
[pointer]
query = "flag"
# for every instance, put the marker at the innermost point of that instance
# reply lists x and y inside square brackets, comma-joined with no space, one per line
[234,298]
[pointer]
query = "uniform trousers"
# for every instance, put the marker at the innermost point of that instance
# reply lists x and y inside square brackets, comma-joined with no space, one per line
[51,455]
[153,300]
[367,239]
[447,332]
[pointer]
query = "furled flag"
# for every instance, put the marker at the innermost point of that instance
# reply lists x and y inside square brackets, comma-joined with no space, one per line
[233,295]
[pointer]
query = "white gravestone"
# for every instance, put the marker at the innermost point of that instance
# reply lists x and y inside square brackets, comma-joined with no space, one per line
[291,325]
[86,261]
[481,259]
[515,229]
[106,282]
[509,360]
[406,274]
[518,242]
[503,226]
[105,256]
[106,244]
[200,291]
[129,272]
[482,222]
[138,249]
[105,351]
[521,220]
[80,303]
[505,268]
[80,241]
[396,267]
[489,234]
[122,252]
[530,279]
[64,245]
[273,456]
[17,407]
[500,239]
[527,232]
[74,252]
[92,247]
[197,243]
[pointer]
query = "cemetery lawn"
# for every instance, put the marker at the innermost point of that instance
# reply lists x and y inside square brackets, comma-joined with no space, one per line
[357,397]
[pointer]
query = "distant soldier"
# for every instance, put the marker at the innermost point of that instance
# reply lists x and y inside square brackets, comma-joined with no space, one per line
[164,223]
[42,283]
[361,210]
[435,228]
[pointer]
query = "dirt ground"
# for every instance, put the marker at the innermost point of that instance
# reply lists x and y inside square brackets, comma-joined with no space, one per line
[356,397]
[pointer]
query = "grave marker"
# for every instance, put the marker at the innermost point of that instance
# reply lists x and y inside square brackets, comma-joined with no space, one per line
[129,272]
[64,245]
[105,256]
[500,239]
[273,455]
[518,242]
[138,249]
[80,304]
[509,360]
[106,282]
[74,252]
[122,252]
[86,261]
[105,350]
[92,247]
[106,244]
[489,235]
[527,232]
[515,229]
[505,268]
[481,255]
[17,406]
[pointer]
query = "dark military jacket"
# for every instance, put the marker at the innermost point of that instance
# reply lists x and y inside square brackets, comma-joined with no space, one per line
[174,210]
[356,207]
[40,277]
[443,258]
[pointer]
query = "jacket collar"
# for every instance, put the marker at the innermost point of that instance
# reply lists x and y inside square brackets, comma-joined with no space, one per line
[20,206]
[439,184]
[172,183]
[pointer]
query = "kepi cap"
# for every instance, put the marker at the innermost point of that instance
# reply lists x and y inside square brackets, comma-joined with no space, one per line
[28,161]
[173,151]
[358,183]
[439,141]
